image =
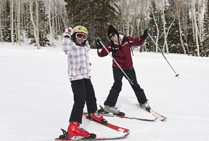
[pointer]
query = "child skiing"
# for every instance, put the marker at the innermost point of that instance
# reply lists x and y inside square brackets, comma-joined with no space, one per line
[76,47]
[120,46]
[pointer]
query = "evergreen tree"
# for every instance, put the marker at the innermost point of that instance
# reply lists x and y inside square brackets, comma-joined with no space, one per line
[95,15]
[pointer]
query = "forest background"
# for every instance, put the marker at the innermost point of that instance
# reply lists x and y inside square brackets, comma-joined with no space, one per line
[177,26]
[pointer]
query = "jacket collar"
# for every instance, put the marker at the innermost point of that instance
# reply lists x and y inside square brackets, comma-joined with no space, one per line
[121,36]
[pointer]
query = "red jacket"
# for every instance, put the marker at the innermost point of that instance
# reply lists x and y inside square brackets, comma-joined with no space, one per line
[122,56]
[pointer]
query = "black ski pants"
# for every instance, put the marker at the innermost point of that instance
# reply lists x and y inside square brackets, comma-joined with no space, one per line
[83,93]
[117,86]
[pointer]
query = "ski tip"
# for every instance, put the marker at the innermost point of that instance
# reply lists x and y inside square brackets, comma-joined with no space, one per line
[177,75]
[164,119]
[126,134]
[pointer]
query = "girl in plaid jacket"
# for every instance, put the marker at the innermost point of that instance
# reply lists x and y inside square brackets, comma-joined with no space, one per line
[76,47]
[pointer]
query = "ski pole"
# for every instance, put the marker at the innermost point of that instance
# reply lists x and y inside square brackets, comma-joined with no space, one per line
[177,75]
[130,81]
[60,14]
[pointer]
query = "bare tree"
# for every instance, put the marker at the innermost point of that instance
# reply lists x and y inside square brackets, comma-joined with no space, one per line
[35,25]
[127,14]
[135,14]
[1,4]
[50,25]
[178,8]
[193,9]
[18,23]
[185,24]
[59,28]
[154,18]
[11,22]
[143,19]
[164,30]
[200,6]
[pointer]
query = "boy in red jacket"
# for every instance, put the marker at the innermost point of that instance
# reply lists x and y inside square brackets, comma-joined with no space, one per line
[121,52]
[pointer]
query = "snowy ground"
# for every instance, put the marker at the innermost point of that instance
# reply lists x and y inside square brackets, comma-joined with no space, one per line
[36,97]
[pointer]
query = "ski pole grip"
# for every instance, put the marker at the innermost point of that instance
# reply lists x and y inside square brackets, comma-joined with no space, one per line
[146,29]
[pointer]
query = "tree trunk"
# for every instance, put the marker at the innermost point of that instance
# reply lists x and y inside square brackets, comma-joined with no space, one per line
[18,23]
[37,24]
[128,24]
[53,26]
[195,26]
[50,26]
[200,6]
[1,39]
[135,12]
[34,26]
[156,29]
[182,43]
[122,16]
[28,31]
[11,22]
[164,31]
[185,25]
[128,19]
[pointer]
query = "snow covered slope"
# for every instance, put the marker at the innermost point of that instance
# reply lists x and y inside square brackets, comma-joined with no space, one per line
[36,97]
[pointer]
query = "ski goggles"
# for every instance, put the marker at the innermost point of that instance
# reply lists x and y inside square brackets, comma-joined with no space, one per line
[110,36]
[81,35]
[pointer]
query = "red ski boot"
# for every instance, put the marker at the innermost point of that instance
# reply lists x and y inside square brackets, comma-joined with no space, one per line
[98,117]
[75,132]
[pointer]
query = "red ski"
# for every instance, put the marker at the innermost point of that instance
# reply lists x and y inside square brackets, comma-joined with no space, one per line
[105,138]
[114,127]
[101,111]
[125,132]
[136,118]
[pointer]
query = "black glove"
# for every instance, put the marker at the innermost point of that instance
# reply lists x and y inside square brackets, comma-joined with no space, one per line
[99,45]
[144,36]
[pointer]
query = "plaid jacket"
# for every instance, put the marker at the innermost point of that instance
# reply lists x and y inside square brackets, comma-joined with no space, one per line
[78,59]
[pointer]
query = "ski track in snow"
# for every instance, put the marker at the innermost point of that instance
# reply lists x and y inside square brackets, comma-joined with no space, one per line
[36,96]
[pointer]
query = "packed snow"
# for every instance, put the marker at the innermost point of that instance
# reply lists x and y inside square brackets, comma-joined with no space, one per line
[36,97]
